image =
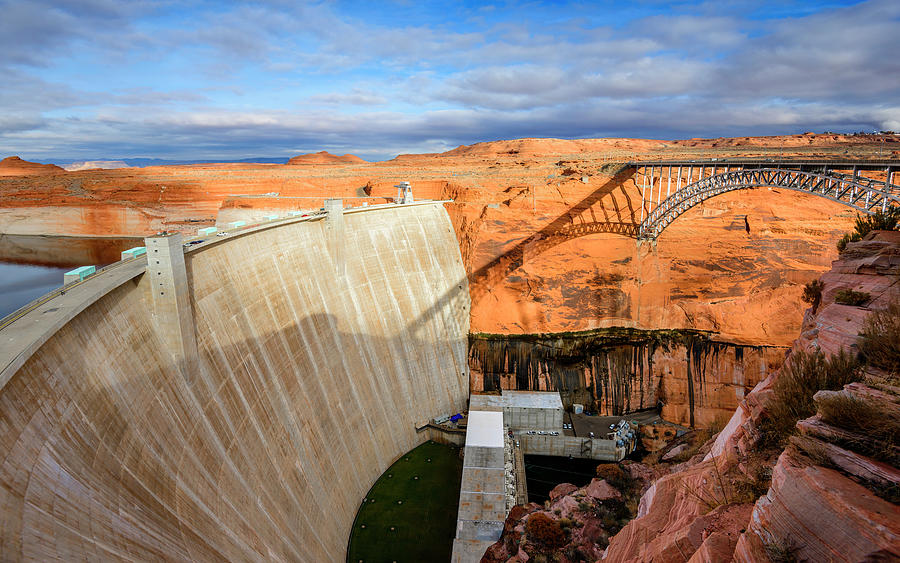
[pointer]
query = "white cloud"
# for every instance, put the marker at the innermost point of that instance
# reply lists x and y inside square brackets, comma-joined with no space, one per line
[357,97]
[269,77]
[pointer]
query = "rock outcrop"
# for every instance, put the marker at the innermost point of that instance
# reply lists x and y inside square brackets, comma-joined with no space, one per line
[820,514]
[682,512]
[15,166]
[325,157]
[833,490]
[869,266]
[574,525]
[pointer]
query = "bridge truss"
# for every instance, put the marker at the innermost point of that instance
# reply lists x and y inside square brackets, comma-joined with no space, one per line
[829,180]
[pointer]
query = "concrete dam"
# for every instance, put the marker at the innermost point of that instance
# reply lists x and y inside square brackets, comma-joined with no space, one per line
[234,400]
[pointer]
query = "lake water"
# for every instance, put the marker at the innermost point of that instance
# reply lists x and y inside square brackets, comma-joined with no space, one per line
[32,265]
[22,283]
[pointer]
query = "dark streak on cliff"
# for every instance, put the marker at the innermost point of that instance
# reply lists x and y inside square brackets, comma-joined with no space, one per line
[612,370]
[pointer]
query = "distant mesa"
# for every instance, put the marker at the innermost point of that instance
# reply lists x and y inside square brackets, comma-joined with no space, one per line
[530,147]
[95,165]
[827,139]
[546,146]
[15,166]
[325,157]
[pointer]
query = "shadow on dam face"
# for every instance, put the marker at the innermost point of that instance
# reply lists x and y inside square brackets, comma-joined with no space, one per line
[112,450]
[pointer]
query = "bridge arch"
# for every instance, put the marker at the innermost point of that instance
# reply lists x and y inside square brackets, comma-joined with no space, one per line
[854,192]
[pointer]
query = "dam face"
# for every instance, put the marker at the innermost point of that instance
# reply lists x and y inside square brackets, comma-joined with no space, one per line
[319,348]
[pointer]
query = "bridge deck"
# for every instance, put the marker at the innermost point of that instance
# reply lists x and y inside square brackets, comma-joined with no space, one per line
[832,164]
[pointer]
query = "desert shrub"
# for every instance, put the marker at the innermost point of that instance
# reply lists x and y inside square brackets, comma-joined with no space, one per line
[754,483]
[879,341]
[742,483]
[879,424]
[612,515]
[847,238]
[812,293]
[608,521]
[575,553]
[695,440]
[878,221]
[802,375]
[782,550]
[713,492]
[850,297]
[545,531]
[719,422]
[614,475]
[889,492]
[632,503]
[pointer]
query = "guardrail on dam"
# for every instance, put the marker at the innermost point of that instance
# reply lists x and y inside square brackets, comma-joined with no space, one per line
[243,417]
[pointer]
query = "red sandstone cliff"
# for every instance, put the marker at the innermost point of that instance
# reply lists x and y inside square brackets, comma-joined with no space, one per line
[734,265]
[832,495]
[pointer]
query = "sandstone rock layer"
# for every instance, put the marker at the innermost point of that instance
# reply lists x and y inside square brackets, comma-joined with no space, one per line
[832,495]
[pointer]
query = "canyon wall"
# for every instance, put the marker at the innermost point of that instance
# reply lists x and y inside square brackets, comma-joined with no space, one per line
[531,217]
[691,378]
[540,261]
[826,493]
[318,354]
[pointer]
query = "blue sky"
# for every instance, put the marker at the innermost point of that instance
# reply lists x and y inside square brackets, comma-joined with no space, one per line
[91,79]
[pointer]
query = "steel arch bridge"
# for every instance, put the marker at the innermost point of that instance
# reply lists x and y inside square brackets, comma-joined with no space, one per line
[859,192]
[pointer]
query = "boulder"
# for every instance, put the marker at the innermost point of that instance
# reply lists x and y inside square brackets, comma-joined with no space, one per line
[599,489]
[561,490]
[656,436]
[671,454]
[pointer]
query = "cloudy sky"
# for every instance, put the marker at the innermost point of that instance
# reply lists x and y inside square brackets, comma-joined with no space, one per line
[91,79]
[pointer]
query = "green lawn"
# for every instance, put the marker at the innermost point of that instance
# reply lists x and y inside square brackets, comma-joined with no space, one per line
[410,512]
